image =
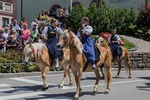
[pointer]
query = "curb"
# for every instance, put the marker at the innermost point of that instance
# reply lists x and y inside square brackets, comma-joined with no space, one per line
[24,74]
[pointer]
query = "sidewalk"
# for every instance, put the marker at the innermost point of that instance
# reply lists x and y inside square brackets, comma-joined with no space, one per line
[142,45]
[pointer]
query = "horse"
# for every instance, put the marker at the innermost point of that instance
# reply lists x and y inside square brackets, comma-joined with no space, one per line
[39,51]
[124,56]
[78,61]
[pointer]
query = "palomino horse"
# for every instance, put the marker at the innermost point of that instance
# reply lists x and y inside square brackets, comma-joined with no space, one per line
[39,51]
[78,61]
[125,56]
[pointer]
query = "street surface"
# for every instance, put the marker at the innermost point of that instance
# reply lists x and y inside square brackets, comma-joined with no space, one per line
[29,88]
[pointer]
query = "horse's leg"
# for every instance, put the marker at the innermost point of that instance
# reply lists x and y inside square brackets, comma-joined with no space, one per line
[108,76]
[44,72]
[101,68]
[70,79]
[95,90]
[65,74]
[119,69]
[77,76]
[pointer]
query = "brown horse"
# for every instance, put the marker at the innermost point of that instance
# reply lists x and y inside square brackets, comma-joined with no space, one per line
[125,56]
[78,61]
[40,52]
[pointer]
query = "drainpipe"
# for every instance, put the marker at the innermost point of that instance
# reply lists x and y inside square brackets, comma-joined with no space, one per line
[21,9]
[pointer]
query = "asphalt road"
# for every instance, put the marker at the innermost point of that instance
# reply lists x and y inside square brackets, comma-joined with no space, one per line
[29,88]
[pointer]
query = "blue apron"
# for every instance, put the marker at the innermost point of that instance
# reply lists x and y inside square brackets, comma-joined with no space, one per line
[52,43]
[88,48]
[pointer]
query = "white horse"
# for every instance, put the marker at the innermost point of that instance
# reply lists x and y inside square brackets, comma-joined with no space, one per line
[39,51]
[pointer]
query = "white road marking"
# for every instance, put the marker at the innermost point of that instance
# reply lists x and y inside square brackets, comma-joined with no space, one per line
[4,85]
[13,89]
[113,83]
[84,73]
[30,81]
[23,95]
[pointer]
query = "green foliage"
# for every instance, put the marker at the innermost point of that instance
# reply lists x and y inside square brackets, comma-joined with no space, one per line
[14,59]
[105,18]
[143,22]
[75,16]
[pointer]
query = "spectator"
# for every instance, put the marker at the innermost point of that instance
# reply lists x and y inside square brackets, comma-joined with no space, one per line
[21,24]
[25,36]
[15,25]
[6,32]
[37,39]
[24,21]
[65,11]
[3,42]
[12,43]
[33,23]
[34,34]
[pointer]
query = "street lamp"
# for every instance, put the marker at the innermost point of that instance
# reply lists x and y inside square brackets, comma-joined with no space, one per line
[70,5]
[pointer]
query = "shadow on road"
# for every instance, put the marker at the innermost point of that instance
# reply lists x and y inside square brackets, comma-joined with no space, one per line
[146,86]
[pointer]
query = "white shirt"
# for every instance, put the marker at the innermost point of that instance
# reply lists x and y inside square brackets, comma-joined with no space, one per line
[117,37]
[5,35]
[87,30]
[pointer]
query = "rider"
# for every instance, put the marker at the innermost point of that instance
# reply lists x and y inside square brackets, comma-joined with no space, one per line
[114,43]
[84,33]
[50,34]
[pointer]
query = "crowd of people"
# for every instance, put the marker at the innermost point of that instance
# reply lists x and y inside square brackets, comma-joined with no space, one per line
[17,34]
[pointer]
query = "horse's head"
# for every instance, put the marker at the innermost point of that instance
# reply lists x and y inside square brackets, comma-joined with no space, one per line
[99,41]
[64,40]
[28,53]
[69,39]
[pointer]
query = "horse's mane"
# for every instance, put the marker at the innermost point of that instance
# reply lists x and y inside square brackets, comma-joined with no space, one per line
[102,42]
[76,41]
[36,47]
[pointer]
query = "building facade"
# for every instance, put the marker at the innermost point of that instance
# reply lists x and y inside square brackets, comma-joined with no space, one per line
[6,12]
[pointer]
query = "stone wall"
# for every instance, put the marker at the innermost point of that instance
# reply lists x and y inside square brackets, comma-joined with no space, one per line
[139,60]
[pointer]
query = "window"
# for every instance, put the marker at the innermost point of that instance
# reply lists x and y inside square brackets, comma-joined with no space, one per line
[5,21]
[1,6]
[7,7]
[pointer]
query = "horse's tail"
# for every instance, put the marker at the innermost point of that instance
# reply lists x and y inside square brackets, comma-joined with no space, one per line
[127,60]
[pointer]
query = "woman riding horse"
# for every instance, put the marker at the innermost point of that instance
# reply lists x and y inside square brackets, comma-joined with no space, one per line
[51,34]
[84,34]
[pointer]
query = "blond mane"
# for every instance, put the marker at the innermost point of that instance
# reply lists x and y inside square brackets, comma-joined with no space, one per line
[36,46]
[77,42]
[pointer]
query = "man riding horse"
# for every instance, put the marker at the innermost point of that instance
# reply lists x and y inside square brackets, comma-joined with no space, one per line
[50,34]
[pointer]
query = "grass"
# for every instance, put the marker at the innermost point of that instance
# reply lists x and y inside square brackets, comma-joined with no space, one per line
[128,44]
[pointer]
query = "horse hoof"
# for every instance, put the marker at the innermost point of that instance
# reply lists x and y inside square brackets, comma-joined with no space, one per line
[45,88]
[116,76]
[106,92]
[129,77]
[70,84]
[60,86]
[94,92]
[75,98]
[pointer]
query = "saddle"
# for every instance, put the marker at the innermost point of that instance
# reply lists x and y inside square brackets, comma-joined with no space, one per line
[97,57]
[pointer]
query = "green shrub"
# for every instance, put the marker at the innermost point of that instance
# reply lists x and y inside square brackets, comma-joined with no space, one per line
[14,59]
[102,18]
